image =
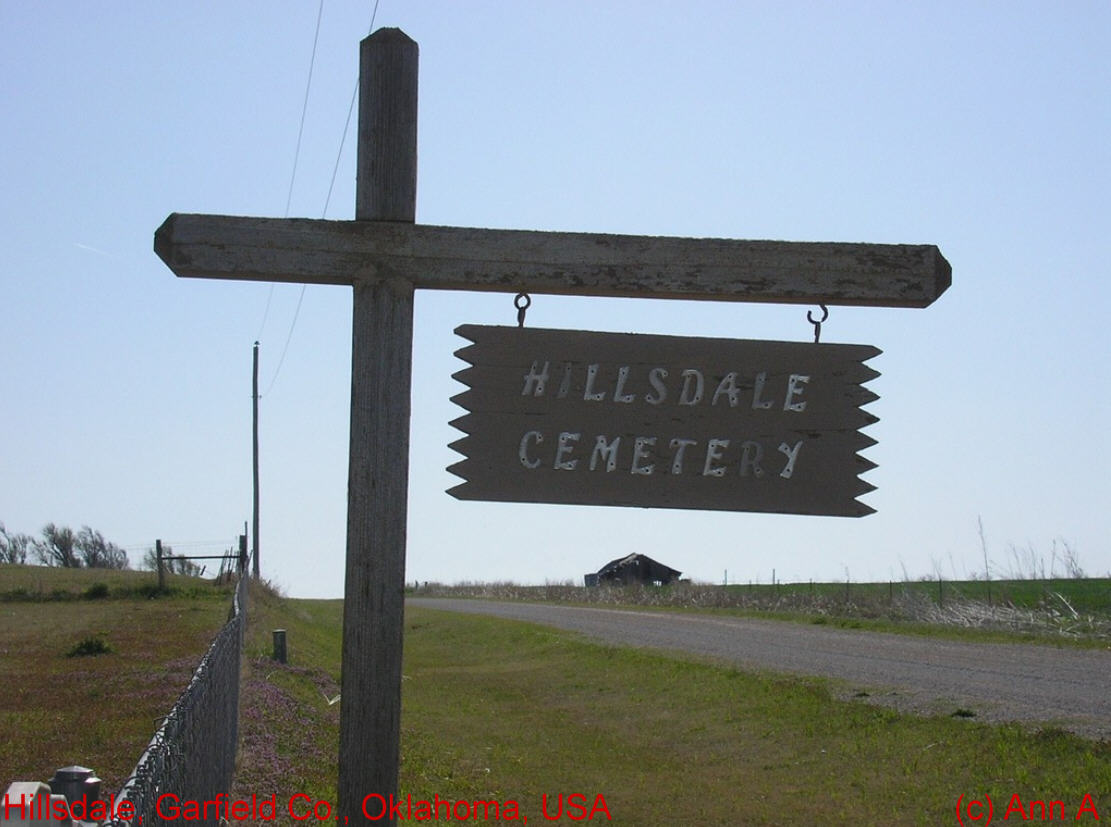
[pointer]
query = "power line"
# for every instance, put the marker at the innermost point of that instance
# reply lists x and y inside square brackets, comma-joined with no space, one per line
[297,150]
[342,141]
[179,545]
[288,338]
[304,107]
[347,123]
[327,200]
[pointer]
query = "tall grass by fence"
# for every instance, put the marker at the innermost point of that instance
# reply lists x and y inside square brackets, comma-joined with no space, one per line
[1071,608]
[191,757]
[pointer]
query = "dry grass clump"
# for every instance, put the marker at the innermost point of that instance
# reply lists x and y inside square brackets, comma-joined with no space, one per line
[1044,612]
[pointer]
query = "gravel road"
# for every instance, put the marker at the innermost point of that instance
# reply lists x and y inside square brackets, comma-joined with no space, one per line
[1034,684]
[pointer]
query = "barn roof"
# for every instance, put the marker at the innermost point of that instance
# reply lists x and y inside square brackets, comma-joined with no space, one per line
[646,569]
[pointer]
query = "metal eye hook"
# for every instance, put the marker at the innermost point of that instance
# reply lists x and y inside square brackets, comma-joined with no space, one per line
[818,322]
[522,302]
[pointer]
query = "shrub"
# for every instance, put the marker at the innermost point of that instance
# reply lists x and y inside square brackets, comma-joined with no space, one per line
[89,646]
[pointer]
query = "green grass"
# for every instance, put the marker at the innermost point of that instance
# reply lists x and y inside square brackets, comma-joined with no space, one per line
[39,584]
[502,710]
[131,658]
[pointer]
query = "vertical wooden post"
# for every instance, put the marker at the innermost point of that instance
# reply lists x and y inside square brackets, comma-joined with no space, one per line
[161,571]
[254,434]
[378,476]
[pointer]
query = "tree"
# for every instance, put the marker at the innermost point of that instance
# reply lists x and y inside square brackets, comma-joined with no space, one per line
[186,567]
[57,547]
[14,547]
[97,553]
[173,565]
[150,558]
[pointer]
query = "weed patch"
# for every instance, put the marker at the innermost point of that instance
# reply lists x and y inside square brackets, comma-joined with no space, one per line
[88,647]
[97,591]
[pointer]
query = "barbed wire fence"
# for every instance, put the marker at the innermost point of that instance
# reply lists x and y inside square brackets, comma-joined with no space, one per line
[191,758]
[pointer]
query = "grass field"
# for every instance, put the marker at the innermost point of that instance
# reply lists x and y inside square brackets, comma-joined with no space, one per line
[497,710]
[97,710]
[503,711]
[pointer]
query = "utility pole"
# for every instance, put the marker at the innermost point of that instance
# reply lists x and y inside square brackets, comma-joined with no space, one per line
[254,423]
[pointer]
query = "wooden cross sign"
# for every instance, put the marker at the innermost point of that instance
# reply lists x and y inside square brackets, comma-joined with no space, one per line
[384,256]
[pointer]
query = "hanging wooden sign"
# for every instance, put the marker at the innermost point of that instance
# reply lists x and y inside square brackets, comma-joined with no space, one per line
[570,416]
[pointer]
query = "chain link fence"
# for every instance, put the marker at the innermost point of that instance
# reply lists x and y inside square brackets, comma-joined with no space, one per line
[191,758]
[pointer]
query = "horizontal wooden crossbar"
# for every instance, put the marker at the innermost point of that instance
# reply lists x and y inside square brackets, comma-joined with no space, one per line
[587,264]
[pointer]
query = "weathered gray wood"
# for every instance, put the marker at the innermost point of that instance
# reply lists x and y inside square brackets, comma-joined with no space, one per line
[254,464]
[386,172]
[587,264]
[378,472]
[527,387]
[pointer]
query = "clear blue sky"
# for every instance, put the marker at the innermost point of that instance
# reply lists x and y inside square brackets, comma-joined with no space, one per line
[980,127]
